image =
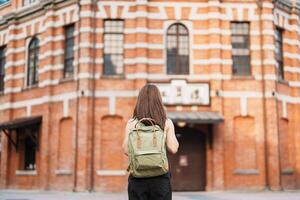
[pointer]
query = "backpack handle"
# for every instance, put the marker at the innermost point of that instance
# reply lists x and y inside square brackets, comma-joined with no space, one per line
[154,140]
[146,119]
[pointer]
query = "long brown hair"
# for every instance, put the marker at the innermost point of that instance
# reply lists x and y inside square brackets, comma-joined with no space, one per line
[149,105]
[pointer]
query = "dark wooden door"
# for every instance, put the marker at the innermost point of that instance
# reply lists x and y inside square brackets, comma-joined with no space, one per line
[188,166]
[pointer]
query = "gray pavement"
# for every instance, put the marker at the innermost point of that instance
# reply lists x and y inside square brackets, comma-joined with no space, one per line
[228,195]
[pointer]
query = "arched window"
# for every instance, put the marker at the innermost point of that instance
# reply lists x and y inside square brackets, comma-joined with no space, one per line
[33,62]
[177,49]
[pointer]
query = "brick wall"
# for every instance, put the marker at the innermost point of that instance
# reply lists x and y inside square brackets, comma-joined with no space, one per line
[257,146]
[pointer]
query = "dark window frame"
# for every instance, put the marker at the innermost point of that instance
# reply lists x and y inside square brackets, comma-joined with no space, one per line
[279,58]
[28,139]
[2,67]
[69,42]
[241,69]
[178,70]
[33,56]
[107,71]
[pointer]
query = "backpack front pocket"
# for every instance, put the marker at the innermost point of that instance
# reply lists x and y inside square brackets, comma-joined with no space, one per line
[151,159]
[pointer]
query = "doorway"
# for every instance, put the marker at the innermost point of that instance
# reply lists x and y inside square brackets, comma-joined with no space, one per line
[188,165]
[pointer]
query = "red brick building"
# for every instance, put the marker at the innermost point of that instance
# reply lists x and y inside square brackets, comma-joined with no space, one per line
[228,70]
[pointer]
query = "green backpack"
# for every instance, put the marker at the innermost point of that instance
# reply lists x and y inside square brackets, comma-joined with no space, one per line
[147,150]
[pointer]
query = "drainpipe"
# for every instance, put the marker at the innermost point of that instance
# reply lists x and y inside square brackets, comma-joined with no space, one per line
[94,24]
[259,5]
[77,99]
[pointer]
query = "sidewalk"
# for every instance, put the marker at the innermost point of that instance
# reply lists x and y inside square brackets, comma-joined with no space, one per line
[53,195]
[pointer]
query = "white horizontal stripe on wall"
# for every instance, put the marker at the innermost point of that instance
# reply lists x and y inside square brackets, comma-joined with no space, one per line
[157,46]
[211,31]
[134,93]
[143,30]
[212,61]
[143,60]
[211,46]
[12,90]
[50,67]
[111,172]
[291,69]
[14,76]
[14,63]
[291,55]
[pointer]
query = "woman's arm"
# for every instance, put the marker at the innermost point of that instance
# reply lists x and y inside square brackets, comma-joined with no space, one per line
[172,143]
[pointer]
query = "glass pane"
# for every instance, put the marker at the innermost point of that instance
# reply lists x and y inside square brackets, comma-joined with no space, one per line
[241,65]
[69,31]
[113,26]
[172,29]
[113,64]
[182,29]
[240,28]
[68,68]
[171,42]
[184,64]
[171,64]
[113,43]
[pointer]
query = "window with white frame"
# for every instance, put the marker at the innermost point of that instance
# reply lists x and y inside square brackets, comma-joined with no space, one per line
[240,48]
[2,67]
[177,49]
[69,51]
[113,47]
[279,53]
[33,62]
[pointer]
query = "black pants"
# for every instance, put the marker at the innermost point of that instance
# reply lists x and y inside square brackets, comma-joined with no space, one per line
[154,188]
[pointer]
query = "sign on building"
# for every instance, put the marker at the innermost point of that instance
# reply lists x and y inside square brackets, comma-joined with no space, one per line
[179,92]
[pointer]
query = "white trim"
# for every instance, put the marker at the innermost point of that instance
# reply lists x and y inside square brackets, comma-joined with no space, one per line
[14,63]
[212,31]
[116,93]
[28,111]
[291,55]
[87,75]
[244,106]
[284,110]
[112,105]
[111,172]
[294,83]
[63,172]
[59,52]
[26,172]
[156,46]
[66,107]
[8,90]
[211,61]
[212,46]
[50,67]
[291,69]
[134,93]
[45,83]
[9,77]
[143,60]
[240,94]
[143,30]
[88,60]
